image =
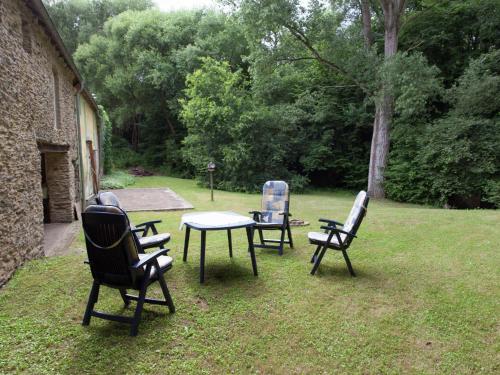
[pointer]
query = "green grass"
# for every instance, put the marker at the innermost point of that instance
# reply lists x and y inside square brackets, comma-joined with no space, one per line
[426,300]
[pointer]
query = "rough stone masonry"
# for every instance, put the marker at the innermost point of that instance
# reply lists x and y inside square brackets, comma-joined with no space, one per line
[37,114]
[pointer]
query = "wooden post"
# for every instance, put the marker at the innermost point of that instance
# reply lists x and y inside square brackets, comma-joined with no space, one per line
[212,186]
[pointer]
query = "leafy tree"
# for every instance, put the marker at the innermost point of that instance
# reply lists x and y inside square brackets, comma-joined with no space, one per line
[107,142]
[452,32]
[454,160]
[249,143]
[78,20]
[137,67]
[314,29]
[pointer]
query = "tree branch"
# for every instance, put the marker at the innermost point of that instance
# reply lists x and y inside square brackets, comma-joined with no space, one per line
[293,59]
[366,18]
[301,37]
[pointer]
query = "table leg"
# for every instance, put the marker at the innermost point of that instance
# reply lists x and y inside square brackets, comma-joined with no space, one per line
[251,249]
[230,241]
[186,244]
[202,256]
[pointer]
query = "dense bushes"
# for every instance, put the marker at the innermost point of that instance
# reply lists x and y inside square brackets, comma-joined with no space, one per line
[186,88]
[116,180]
[249,143]
[455,160]
[107,141]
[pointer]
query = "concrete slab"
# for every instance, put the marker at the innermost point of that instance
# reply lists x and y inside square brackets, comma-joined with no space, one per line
[57,238]
[151,199]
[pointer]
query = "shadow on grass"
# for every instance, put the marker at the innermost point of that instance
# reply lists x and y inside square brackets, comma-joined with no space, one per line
[339,271]
[228,272]
[101,345]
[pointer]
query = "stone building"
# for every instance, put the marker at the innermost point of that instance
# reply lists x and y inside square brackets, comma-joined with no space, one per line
[49,133]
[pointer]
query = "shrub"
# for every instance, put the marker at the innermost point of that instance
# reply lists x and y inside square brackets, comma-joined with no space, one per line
[116,180]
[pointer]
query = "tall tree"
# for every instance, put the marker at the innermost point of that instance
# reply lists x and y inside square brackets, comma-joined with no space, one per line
[384,104]
[279,16]
[78,20]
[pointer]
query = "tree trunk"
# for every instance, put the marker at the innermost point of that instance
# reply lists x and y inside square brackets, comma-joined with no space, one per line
[366,16]
[384,106]
[170,125]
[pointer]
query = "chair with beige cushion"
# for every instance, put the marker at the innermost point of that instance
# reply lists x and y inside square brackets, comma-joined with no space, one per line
[117,261]
[108,198]
[338,236]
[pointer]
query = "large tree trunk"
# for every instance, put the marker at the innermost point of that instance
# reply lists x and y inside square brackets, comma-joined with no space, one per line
[379,147]
[384,106]
[366,16]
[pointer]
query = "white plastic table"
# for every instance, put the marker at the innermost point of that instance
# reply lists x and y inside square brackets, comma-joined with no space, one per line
[217,220]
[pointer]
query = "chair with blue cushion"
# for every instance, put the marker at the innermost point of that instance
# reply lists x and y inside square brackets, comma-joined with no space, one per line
[274,215]
[107,198]
[338,236]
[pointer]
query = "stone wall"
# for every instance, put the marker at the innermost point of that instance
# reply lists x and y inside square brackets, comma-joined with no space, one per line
[28,118]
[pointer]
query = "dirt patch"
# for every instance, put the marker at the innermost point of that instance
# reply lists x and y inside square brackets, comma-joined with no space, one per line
[152,199]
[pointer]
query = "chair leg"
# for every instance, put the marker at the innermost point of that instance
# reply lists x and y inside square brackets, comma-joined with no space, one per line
[318,260]
[282,241]
[140,303]
[348,262]
[289,231]
[261,236]
[318,248]
[123,293]
[166,293]
[94,293]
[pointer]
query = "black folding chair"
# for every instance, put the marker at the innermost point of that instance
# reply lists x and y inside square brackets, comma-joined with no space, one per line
[338,236]
[117,261]
[108,198]
[274,215]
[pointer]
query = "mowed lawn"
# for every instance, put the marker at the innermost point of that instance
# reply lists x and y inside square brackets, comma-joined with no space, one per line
[426,299]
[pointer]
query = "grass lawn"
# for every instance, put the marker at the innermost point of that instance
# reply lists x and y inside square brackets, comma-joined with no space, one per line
[426,299]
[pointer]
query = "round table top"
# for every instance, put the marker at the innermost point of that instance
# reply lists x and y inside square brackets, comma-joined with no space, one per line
[213,220]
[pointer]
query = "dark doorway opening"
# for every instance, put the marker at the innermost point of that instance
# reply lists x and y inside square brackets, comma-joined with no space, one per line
[45,192]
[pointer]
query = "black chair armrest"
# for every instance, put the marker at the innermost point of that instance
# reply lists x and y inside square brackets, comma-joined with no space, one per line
[256,215]
[331,222]
[149,225]
[149,258]
[337,230]
[285,213]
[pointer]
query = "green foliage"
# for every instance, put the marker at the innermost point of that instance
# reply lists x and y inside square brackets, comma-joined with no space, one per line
[452,32]
[123,156]
[476,92]
[116,180]
[107,141]
[412,82]
[249,143]
[138,65]
[454,160]
[78,20]
[246,90]
[459,156]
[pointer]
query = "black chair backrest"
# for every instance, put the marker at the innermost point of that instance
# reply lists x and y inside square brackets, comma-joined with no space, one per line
[111,246]
[358,212]
[107,198]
